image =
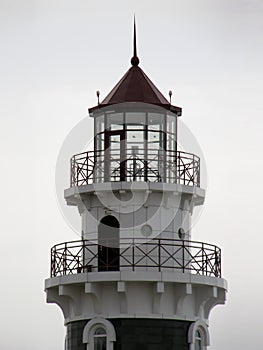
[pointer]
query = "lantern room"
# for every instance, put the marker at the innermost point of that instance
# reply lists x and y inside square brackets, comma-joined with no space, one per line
[135,142]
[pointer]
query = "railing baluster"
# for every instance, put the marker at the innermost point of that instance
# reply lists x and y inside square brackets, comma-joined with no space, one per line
[219,263]
[203,259]
[133,255]
[52,263]
[183,258]
[159,255]
[83,255]
[216,263]
[87,174]
[65,260]
[72,172]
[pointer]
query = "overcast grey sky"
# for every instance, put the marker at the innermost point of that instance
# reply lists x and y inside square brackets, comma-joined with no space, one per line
[54,56]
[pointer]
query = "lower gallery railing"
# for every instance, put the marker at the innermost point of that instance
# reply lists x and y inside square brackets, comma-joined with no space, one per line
[136,255]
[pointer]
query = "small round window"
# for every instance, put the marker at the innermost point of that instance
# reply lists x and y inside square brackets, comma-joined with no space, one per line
[146,230]
[181,233]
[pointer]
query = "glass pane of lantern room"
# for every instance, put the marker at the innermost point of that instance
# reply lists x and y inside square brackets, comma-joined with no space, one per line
[156,121]
[115,121]
[155,140]
[115,156]
[156,147]
[156,127]
[135,143]
[99,158]
[99,124]
[99,144]
[135,120]
[171,156]
[156,156]
[171,133]
[135,154]
[171,123]
[135,139]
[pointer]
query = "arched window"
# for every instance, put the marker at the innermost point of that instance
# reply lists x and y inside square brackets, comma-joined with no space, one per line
[100,339]
[198,336]
[99,334]
[198,341]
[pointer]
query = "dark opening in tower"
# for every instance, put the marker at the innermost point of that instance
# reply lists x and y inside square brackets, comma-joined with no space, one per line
[108,244]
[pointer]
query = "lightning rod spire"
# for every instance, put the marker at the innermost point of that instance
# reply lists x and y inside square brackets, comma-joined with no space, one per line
[135,60]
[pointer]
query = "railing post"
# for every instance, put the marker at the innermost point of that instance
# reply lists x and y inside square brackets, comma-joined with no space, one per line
[176,166]
[83,254]
[193,174]
[52,258]
[65,260]
[159,255]
[203,259]
[107,165]
[133,255]
[184,169]
[134,168]
[219,263]
[216,264]
[78,265]
[145,170]
[176,161]
[87,164]
[73,172]
[199,170]
[183,257]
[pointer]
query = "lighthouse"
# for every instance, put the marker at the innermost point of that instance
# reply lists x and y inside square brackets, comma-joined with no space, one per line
[136,280]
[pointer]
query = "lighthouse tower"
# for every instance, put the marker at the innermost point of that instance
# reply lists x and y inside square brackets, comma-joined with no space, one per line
[136,280]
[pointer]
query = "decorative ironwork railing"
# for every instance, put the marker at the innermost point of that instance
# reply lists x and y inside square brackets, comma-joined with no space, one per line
[136,254]
[158,166]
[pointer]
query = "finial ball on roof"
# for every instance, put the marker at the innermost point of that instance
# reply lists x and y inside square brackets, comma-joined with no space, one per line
[135,61]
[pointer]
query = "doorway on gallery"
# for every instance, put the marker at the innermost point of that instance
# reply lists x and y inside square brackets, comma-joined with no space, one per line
[108,244]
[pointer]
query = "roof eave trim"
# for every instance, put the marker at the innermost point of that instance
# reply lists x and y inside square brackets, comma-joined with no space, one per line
[173,109]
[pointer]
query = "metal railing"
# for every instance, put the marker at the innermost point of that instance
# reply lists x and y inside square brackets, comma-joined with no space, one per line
[157,254]
[157,166]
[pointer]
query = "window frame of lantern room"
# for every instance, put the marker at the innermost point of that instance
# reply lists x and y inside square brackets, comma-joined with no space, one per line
[90,329]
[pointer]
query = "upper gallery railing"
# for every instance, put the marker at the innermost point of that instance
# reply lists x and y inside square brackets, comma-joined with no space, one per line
[157,166]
